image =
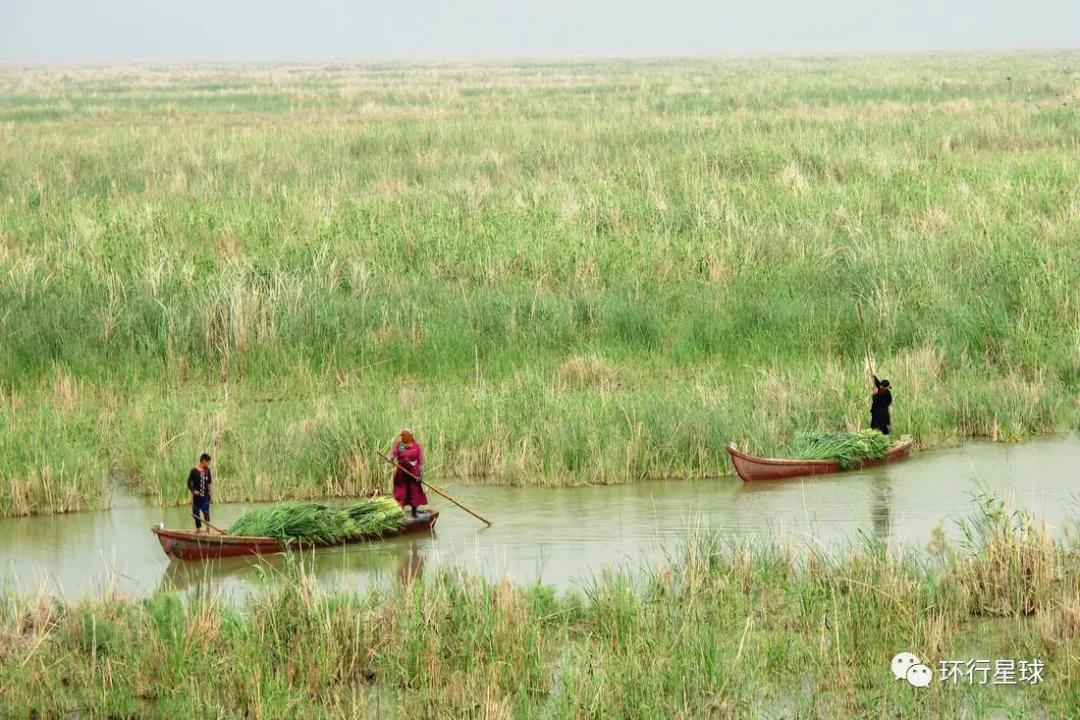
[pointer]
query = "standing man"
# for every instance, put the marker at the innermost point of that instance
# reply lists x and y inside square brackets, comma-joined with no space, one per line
[879,405]
[198,482]
[409,459]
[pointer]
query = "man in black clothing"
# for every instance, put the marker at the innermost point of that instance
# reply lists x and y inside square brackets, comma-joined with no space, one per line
[198,482]
[879,405]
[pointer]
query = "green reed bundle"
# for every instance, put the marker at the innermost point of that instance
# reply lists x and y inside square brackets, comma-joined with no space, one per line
[321,523]
[846,448]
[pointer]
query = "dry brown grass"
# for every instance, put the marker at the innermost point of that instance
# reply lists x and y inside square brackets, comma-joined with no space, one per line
[587,371]
[1013,567]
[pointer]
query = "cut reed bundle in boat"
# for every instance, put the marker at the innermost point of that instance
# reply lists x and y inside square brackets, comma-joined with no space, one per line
[321,523]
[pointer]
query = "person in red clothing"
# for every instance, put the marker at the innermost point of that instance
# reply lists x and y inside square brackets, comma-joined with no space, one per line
[408,456]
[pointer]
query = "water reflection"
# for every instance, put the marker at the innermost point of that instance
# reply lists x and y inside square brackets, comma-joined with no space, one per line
[879,512]
[358,567]
[412,566]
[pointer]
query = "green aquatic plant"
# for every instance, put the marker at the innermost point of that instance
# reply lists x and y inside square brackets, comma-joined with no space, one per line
[722,627]
[321,523]
[546,320]
[846,448]
[1011,563]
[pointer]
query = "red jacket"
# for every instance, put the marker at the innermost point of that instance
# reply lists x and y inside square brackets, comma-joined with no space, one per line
[410,457]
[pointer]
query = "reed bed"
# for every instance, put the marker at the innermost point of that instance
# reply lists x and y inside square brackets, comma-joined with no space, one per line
[556,273]
[722,629]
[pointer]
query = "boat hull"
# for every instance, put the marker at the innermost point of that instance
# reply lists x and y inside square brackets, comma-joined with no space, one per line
[189,545]
[752,468]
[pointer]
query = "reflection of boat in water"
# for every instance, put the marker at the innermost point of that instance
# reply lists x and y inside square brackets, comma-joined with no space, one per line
[353,566]
[874,486]
[751,467]
[182,576]
[189,545]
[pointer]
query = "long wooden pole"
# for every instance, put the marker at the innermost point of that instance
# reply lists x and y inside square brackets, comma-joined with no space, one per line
[436,490]
[866,344]
[207,523]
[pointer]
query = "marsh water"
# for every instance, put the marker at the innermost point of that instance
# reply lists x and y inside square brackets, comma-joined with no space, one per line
[564,536]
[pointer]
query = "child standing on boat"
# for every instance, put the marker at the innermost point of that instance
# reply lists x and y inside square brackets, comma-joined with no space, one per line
[409,459]
[198,483]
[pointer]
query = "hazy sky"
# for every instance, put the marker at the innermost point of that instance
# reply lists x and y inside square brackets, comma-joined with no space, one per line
[163,30]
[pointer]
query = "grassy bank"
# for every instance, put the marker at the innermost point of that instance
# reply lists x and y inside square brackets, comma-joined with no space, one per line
[570,272]
[720,631]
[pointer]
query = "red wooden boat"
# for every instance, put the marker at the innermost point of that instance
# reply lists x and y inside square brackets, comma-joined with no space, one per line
[751,467]
[190,545]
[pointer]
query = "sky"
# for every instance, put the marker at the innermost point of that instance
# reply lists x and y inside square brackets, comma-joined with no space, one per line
[94,31]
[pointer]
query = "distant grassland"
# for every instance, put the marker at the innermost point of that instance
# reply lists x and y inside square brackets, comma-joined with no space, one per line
[555,273]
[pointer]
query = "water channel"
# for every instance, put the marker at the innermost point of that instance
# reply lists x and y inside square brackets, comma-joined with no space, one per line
[565,536]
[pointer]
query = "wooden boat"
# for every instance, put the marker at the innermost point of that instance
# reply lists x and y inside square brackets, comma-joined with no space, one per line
[751,467]
[190,545]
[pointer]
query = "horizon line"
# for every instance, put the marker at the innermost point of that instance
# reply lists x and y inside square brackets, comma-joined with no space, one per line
[554,58]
